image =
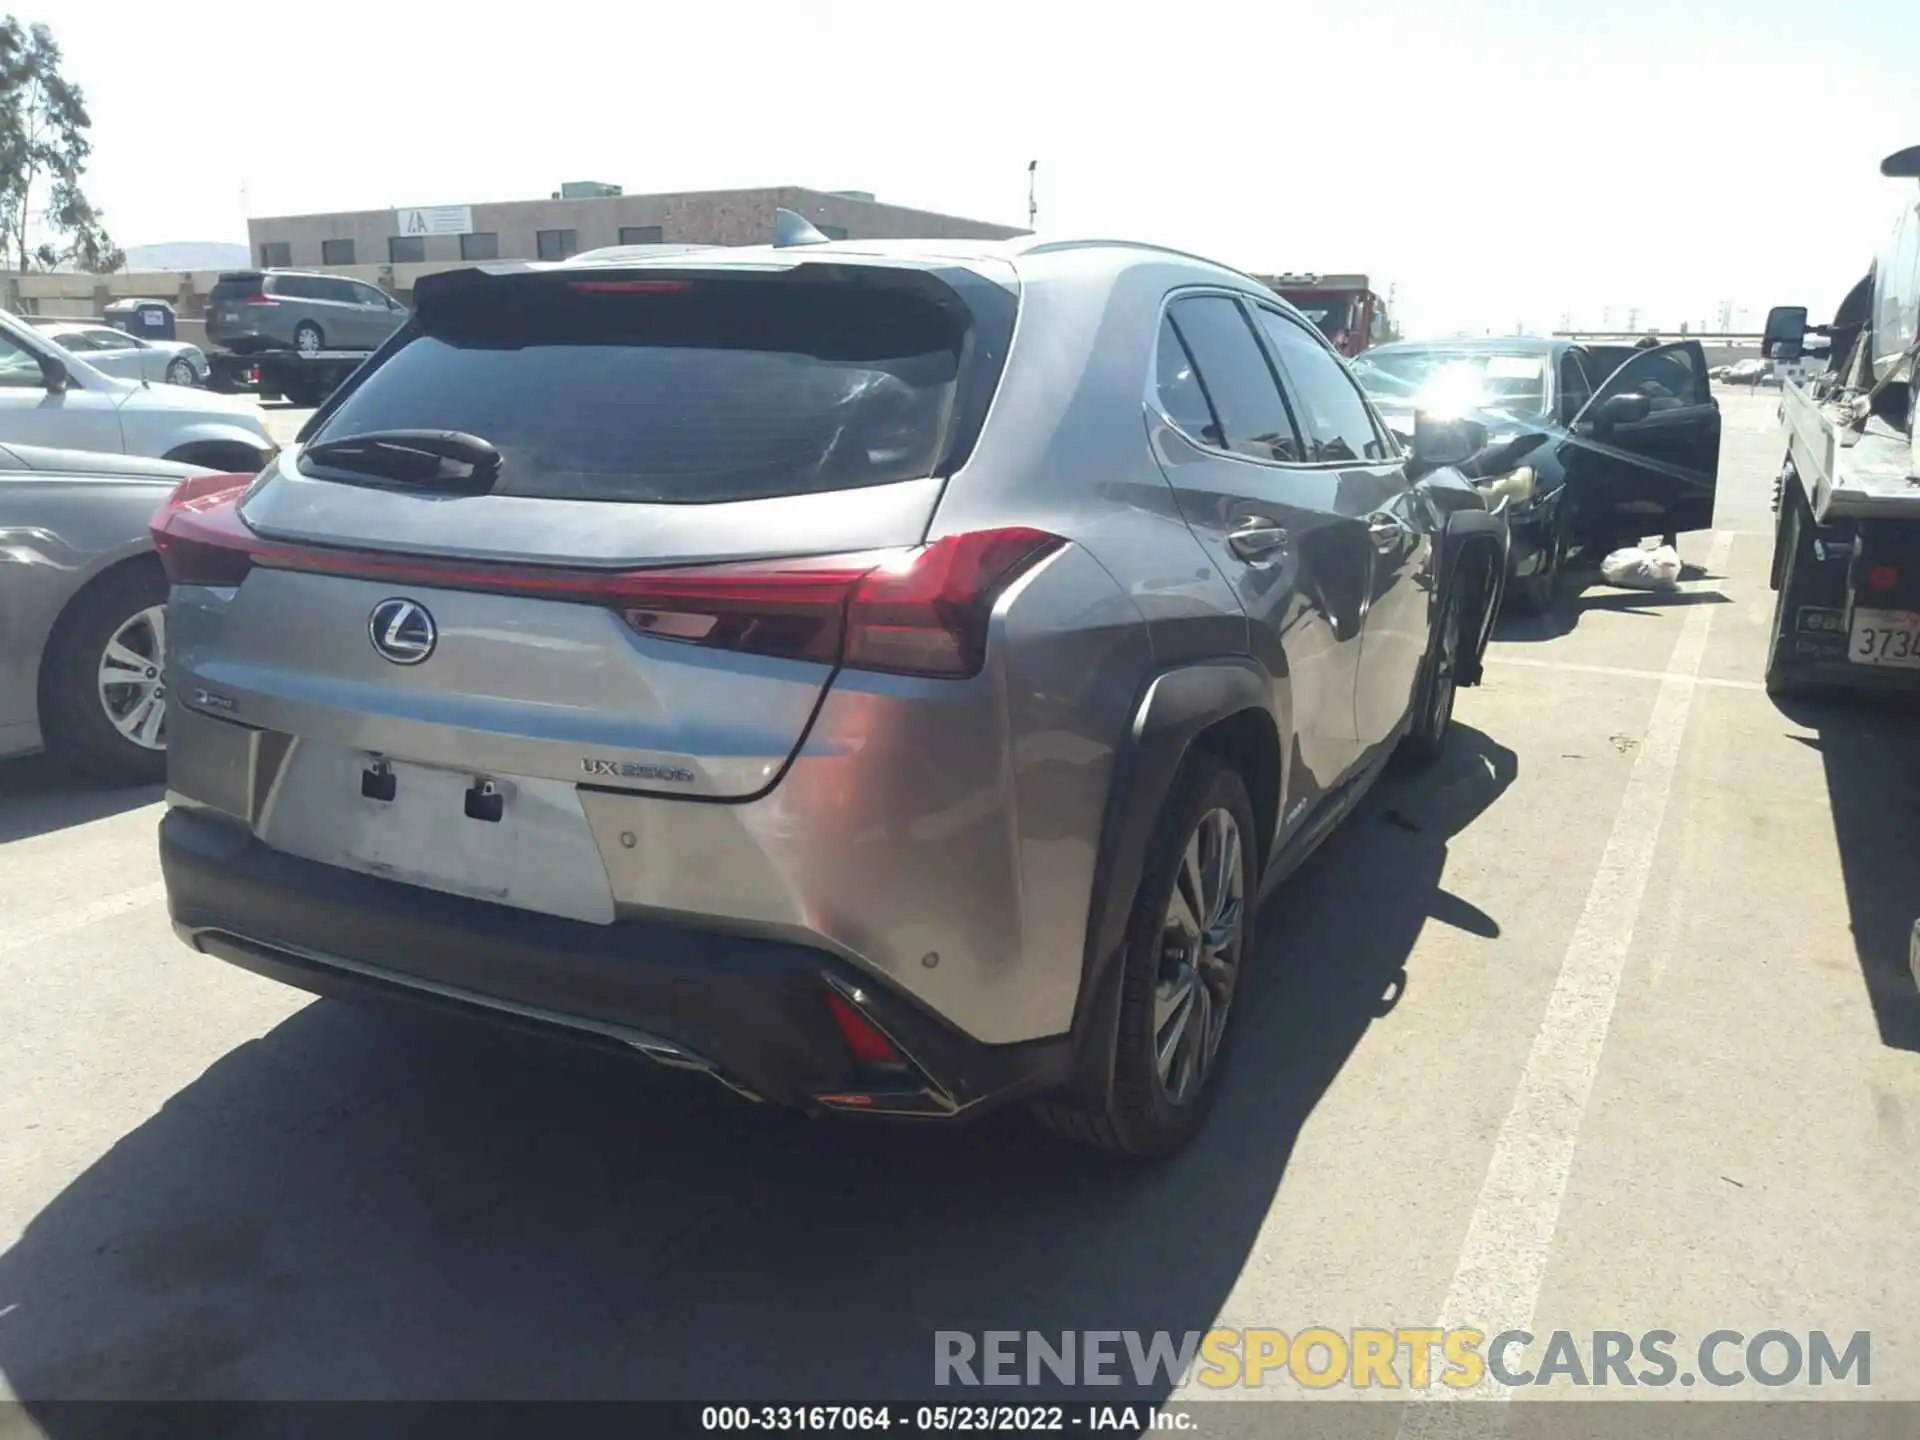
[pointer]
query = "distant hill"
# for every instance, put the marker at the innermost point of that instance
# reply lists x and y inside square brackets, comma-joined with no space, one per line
[187,255]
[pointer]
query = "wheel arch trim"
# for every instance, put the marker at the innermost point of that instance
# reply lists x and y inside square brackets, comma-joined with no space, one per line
[1176,705]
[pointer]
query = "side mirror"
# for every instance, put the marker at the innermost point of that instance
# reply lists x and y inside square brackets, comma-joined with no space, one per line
[1786,332]
[1439,442]
[1623,410]
[53,375]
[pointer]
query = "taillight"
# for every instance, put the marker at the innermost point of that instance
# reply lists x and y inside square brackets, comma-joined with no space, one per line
[199,534]
[922,611]
[1882,577]
[925,612]
[919,611]
[261,298]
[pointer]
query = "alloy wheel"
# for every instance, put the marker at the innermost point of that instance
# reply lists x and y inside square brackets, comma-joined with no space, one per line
[133,679]
[1200,942]
[307,341]
[180,373]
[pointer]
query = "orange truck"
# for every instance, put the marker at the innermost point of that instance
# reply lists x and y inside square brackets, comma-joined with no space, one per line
[1343,306]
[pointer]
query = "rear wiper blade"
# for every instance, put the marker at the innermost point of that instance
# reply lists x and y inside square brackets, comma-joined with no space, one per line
[446,460]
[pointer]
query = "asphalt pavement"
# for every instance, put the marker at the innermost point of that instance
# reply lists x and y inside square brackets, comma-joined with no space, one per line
[1603,1024]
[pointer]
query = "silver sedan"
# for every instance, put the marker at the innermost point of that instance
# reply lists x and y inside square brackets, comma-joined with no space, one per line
[173,362]
[83,619]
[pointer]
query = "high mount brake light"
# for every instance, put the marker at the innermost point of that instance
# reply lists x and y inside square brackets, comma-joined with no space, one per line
[630,287]
[918,611]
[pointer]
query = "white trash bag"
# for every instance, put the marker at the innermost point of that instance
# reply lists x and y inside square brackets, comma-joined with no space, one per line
[1637,569]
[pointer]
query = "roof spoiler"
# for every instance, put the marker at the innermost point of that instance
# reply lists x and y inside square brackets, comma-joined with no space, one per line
[1902,164]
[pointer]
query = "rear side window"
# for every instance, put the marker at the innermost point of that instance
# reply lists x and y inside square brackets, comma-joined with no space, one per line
[1236,377]
[713,390]
[1332,415]
[1177,384]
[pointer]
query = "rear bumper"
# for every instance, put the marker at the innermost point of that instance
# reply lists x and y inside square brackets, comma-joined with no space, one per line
[750,1012]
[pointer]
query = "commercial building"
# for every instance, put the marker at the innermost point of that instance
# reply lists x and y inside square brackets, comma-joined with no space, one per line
[585,215]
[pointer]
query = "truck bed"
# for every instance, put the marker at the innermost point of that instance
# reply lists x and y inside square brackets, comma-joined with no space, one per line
[1849,475]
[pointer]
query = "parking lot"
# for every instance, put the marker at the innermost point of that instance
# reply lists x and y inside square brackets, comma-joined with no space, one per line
[1604,1023]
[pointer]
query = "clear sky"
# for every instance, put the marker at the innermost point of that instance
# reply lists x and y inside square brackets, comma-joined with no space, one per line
[1500,161]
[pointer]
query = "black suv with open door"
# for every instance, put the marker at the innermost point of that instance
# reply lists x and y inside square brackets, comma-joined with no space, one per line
[1592,446]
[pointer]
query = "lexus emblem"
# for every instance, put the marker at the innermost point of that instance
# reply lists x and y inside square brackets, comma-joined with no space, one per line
[402,631]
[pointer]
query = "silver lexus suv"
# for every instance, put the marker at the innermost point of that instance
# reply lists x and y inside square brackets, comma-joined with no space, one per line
[881,676]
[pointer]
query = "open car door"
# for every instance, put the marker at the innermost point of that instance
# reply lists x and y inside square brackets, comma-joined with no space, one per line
[1644,455]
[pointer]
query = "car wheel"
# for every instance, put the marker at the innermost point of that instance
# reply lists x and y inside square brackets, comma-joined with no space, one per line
[1426,739]
[180,372]
[104,694]
[1187,939]
[307,338]
[1536,594]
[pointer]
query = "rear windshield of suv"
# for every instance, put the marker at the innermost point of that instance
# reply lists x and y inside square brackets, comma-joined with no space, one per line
[683,392]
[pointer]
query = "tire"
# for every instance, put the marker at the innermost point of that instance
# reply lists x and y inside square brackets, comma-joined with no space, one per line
[179,372]
[1426,740]
[1148,1113]
[1539,593]
[118,607]
[307,338]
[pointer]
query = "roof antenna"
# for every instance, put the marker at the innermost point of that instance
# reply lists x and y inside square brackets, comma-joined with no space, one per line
[792,228]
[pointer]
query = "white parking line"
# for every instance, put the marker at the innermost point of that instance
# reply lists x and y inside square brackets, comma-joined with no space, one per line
[65,922]
[1496,1284]
[1622,673]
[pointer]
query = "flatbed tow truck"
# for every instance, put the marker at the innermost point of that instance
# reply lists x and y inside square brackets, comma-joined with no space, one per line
[1846,559]
[1846,554]
[303,377]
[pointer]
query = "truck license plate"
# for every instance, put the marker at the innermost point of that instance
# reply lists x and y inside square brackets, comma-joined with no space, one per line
[1886,637]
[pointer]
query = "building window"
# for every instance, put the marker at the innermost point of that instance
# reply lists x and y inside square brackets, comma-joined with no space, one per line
[481,245]
[406,249]
[641,234]
[832,232]
[336,252]
[556,244]
[276,254]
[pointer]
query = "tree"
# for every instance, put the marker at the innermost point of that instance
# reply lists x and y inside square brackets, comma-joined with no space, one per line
[43,153]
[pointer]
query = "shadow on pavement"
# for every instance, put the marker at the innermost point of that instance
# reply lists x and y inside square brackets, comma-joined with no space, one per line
[1578,597]
[38,797]
[363,1205]
[1871,750]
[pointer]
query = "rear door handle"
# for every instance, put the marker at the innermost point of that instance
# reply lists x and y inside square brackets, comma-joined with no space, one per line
[1256,539]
